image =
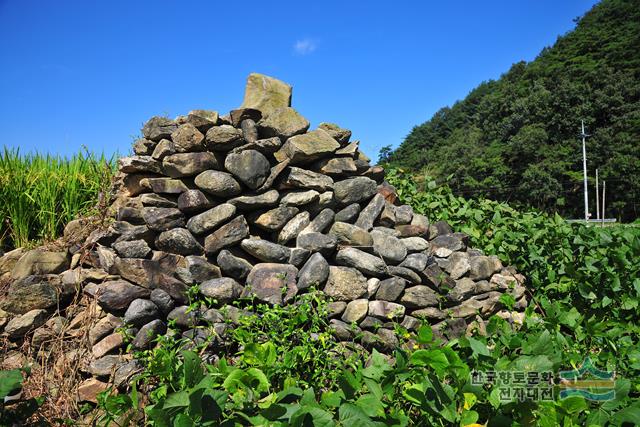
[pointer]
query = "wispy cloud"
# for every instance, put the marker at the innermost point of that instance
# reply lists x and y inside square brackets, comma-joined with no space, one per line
[304,46]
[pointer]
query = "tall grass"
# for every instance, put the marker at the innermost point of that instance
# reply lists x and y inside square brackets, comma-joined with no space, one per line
[40,193]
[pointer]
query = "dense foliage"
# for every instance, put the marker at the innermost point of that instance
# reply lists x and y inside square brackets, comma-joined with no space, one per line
[516,139]
[39,194]
[282,367]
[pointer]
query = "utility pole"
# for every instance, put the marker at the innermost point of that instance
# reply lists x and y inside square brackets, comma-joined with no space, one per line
[584,167]
[604,188]
[597,198]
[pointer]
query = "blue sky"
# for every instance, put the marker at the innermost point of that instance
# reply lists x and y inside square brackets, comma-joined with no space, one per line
[76,73]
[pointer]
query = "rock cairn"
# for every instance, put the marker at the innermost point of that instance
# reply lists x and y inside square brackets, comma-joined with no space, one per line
[254,204]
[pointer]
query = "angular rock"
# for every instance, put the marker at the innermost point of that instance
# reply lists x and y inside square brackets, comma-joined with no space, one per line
[459,265]
[348,214]
[355,311]
[203,120]
[250,166]
[144,147]
[283,122]
[241,114]
[444,245]
[463,289]
[139,164]
[132,249]
[157,201]
[163,300]
[411,230]
[158,127]
[219,184]
[419,297]
[345,284]
[314,272]
[317,242]
[321,222]
[354,190]
[37,292]
[367,263]
[209,220]
[116,295]
[249,203]
[335,308]
[388,247]
[293,228]
[416,262]
[387,217]
[107,345]
[350,235]
[274,219]
[341,330]
[390,289]
[415,244]
[298,256]
[302,178]
[431,313]
[184,316]
[223,138]
[228,235]
[104,327]
[21,325]
[162,219]
[148,333]
[105,366]
[339,134]
[482,267]
[266,94]
[224,289]
[89,389]
[140,312]
[266,251]
[307,147]
[164,185]
[233,266]
[268,282]
[299,198]
[385,309]
[38,261]
[192,201]
[188,164]
[249,130]
[163,149]
[187,138]
[336,166]
[178,241]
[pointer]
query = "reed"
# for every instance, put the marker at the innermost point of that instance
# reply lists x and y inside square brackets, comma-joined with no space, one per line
[40,193]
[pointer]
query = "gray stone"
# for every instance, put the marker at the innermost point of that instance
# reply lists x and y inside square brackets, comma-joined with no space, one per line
[155,200]
[339,134]
[269,282]
[139,164]
[260,201]
[463,289]
[164,185]
[250,166]
[390,289]
[299,198]
[223,138]
[307,147]
[266,93]
[283,122]
[341,330]
[372,286]
[178,241]
[335,308]
[349,213]
[412,230]
[192,201]
[104,327]
[293,227]
[274,219]
[419,297]
[203,120]
[410,323]
[431,313]
[224,289]
[209,220]
[249,130]
[444,245]
[158,127]
[388,247]
[187,138]
[163,149]
[213,316]
[317,242]
[228,235]
[184,316]
[481,268]
[198,269]
[354,190]
[371,212]
[371,323]
[233,266]
[37,262]
[148,333]
[265,250]
[345,284]
[298,256]
[437,278]
[416,262]
[140,312]
[105,366]
[132,249]
[404,214]
[314,272]
[367,263]
[302,178]
[405,273]
[241,114]
[21,325]
[219,184]
[162,219]
[355,311]
[188,164]
[336,166]
[321,222]
[384,339]
[107,345]
[351,235]
[459,265]
[37,292]
[143,146]
[415,244]
[385,309]
[387,217]
[162,299]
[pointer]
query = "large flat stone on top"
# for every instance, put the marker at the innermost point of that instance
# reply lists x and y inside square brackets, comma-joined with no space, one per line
[354,190]
[265,93]
[38,261]
[308,147]
[283,122]
[188,164]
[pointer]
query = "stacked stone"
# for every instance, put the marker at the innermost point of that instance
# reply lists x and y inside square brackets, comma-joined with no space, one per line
[253,204]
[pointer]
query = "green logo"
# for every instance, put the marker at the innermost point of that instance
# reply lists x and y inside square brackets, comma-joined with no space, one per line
[588,382]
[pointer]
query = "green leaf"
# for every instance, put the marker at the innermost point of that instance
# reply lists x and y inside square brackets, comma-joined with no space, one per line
[434,358]
[192,368]
[10,382]
[370,405]
[478,347]
[257,379]
[179,399]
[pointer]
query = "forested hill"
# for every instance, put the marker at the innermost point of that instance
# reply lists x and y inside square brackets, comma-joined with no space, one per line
[516,138]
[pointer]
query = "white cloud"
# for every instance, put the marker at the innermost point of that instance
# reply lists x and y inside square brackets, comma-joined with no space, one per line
[304,46]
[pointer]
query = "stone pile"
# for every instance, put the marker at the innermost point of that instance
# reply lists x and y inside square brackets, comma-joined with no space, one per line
[253,204]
